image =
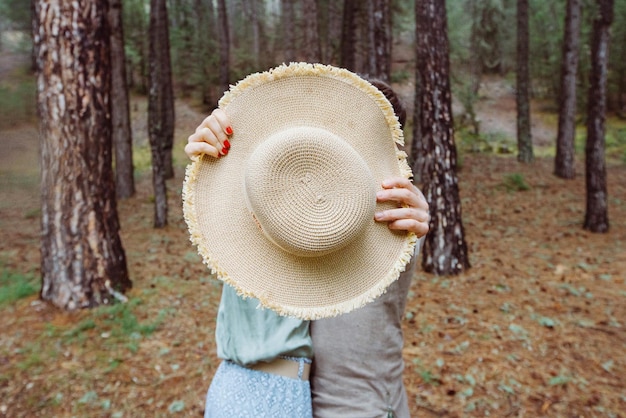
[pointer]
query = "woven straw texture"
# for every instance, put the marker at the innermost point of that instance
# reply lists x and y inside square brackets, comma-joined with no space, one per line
[312,248]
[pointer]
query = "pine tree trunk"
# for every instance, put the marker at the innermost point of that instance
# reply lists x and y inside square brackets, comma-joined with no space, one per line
[120,113]
[157,109]
[445,250]
[370,66]
[524,137]
[222,22]
[382,39]
[288,38]
[168,90]
[564,159]
[348,33]
[311,47]
[416,158]
[82,259]
[204,40]
[251,11]
[333,20]
[33,25]
[596,215]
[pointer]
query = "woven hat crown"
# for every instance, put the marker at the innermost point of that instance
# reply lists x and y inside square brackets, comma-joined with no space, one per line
[310,191]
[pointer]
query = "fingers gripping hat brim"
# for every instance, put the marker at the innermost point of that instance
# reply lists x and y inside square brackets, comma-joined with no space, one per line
[233,242]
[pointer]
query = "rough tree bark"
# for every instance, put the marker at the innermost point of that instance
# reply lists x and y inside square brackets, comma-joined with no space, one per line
[224,40]
[596,215]
[311,47]
[331,20]
[348,53]
[120,113]
[82,259]
[165,62]
[445,250]
[287,17]
[380,39]
[159,95]
[204,38]
[254,22]
[524,137]
[564,159]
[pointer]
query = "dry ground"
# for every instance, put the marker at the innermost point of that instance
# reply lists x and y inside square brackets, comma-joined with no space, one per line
[536,328]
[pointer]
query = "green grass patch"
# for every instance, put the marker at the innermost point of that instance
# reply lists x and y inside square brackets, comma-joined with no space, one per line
[117,325]
[515,182]
[616,143]
[142,158]
[16,285]
[121,321]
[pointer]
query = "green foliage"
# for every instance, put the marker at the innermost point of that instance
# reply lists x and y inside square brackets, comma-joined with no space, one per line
[400,76]
[121,321]
[17,99]
[491,142]
[615,142]
[142,158]
[114,324]
[16,285]
[136,20]
[515,182]
[546,21]
[16,14]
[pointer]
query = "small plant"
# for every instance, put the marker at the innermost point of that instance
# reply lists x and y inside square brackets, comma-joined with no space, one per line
[400,76]
[15,286]
[515,182]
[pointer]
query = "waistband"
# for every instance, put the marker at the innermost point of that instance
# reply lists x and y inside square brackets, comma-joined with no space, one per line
[293,367]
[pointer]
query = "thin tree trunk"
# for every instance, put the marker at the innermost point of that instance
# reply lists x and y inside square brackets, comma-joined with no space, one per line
[256,41]
[362,46]
[564,159]
[203,39]
[475,59]
[332,19]
[120,113]
[416,158]
[222,22]
[348,33]
[524,137]
[288,38]
[621,84]
[311,47]
[445,250]
[157,119]
[168,92]
[596,215]
[370,64]
[33,24]
[382,39]
[82,259]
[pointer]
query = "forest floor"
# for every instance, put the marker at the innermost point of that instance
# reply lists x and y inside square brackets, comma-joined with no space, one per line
[536,327]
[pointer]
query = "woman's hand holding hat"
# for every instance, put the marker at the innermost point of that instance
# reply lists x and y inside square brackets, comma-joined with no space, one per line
[211,137]
[413,214]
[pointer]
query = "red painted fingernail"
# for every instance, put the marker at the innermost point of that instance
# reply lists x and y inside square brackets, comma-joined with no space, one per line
[224,150]
[229,130]
[227,144]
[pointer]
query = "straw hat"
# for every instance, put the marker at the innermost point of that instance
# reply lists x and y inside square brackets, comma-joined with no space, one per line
[287,216]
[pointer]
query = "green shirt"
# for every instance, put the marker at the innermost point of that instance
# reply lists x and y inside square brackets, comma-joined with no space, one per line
[246,333]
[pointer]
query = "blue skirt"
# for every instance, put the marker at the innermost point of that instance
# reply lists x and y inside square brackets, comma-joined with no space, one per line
[238,392]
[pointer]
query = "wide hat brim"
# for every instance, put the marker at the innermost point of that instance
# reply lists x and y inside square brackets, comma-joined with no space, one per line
[228,237]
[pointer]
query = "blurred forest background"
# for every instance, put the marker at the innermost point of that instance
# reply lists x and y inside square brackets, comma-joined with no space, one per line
[533,328]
